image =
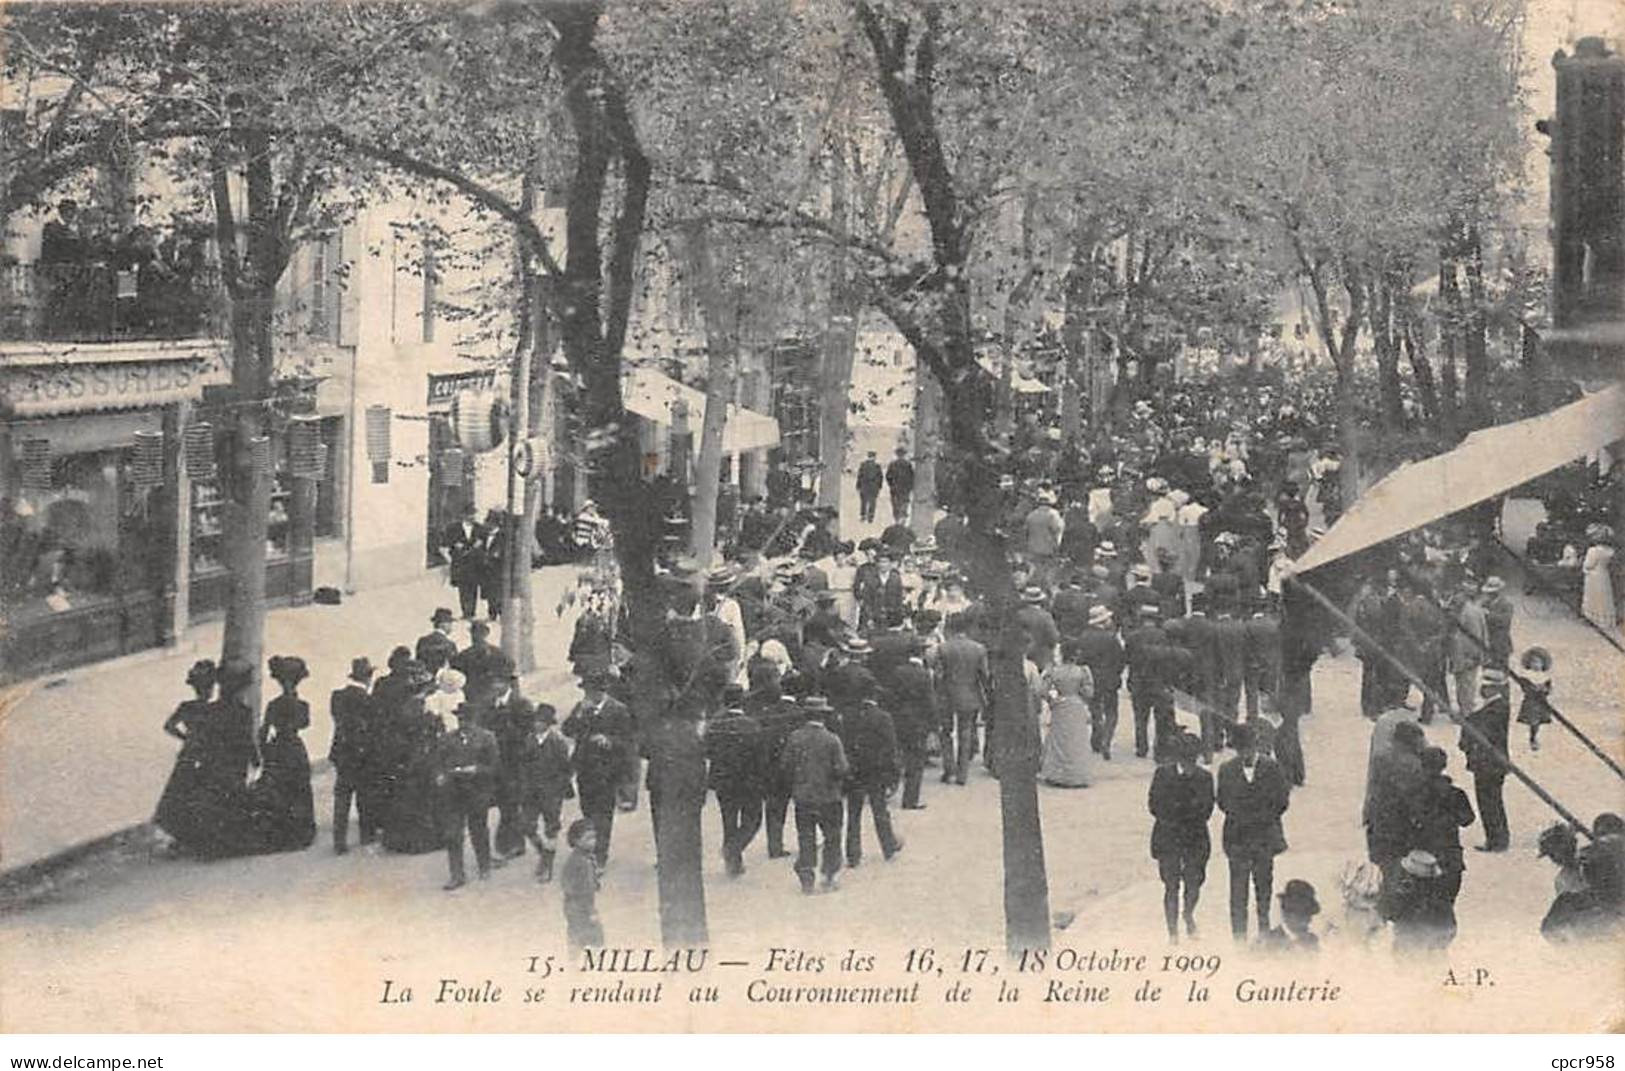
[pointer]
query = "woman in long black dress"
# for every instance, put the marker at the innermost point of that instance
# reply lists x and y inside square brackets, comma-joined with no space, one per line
[221,742]
[412,826]
[176,814]
[284,812]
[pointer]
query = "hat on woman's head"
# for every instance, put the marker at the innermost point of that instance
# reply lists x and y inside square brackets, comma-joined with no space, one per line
[202,672]
[288,669]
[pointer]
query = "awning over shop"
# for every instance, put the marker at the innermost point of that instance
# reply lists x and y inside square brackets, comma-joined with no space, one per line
[652,395]
[1487,463]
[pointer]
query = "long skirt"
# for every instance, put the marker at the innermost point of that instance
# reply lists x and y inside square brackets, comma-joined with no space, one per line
[412,826]
[204,807]
[283,812]
[1066,748]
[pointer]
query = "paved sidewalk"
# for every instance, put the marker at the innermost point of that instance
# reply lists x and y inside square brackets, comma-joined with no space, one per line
[83,754]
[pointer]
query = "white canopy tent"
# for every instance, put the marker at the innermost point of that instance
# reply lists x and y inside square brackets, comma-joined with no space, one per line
[652,395]
[1486,463]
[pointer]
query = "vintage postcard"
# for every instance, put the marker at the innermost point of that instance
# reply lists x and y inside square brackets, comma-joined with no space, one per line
[820,516]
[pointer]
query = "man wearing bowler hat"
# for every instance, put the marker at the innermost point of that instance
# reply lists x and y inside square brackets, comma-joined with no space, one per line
[465,772]
[435,648]
[602,730]
[349,706]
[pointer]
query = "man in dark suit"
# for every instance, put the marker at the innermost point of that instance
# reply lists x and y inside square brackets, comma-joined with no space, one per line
[778,716]
[870,740]
[482,663]
[966,683]
[1142,645]
[1262,677]
[511,718]
[734,747]
[892,647]
[1485,753]
[435,648]
[465,768]
[814,763]
[1253,795]
[1035,619]
[1230,668]
[900,481]
[1102,652]
[879,592]
[870,479]
[847,682]
[602,730]
[911,697]
[465,543]
[1070,608]
[348,754]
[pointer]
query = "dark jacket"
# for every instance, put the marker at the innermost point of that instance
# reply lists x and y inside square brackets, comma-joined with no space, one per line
[466,551]
[599,764]
[1229,652]
[900,476]
[870,741]
[467,757]
[911,698]
[483,664]
[1492,720]
[734,746]
[1263,648]
[544,767]
[435,650]
[1070,609]
[870,477]
[1102,652]
[1140,647]
[349,706]
[965,674]
[814,763]
[1181,804]
[1439,812]
[1253,809]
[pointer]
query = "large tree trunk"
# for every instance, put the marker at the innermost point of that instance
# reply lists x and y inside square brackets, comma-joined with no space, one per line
[1476,347]
[1450,320]
[839,348]
[248,498]
[593,341]
[927,445]
[945,344]
[720,308]
[1414,343]
[1387,347]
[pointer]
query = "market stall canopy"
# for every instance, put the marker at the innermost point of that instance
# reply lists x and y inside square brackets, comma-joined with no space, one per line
[652,395]
[1487,463]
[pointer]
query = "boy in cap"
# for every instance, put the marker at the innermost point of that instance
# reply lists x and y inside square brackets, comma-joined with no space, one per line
[582,927]
[544,785]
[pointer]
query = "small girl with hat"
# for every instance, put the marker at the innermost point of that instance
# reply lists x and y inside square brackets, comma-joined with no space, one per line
[1536,681]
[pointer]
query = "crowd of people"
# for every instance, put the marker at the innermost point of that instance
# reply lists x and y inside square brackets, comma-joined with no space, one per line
[828,675]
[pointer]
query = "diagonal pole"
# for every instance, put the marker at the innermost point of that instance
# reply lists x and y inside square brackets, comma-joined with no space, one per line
[1526,684]
[1443,704]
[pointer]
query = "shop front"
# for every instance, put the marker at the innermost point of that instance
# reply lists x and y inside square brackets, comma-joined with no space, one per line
[90,498]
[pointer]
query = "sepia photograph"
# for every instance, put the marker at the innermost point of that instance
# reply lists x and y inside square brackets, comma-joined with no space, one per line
[812,516]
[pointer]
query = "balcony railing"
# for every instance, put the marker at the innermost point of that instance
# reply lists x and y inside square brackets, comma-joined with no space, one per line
[105,303]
